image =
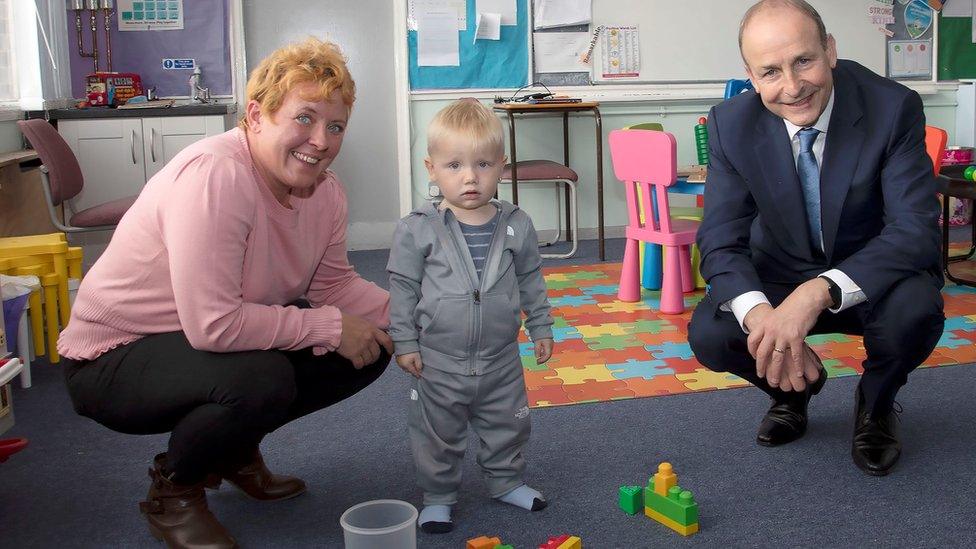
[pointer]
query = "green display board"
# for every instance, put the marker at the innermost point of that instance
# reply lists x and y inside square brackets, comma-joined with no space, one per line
[957,53]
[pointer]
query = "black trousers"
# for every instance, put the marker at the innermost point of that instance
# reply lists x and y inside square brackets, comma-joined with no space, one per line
[216,406]
[900,331]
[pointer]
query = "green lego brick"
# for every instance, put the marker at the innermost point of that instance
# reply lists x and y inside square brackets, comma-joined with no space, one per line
[504,547]
[630,499]
[679,506]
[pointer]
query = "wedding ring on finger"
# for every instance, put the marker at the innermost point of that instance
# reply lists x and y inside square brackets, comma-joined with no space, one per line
[778,350]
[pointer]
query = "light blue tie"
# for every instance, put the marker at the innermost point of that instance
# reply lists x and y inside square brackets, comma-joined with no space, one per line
[809,172]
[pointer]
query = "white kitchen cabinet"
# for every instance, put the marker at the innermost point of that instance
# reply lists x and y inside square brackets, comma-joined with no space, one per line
[118,155]
[165,136]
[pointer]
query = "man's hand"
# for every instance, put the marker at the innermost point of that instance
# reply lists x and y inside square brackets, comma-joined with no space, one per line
[810,366]
[543,350]
[361,341]
[776,336]
[410,363]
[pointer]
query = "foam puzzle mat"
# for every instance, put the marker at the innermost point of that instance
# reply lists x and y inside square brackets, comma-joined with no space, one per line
[611,350]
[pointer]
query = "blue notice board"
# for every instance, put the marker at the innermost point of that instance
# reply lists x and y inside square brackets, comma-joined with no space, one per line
[502,63]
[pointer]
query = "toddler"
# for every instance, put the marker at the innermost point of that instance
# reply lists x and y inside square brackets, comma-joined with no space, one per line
[462,270]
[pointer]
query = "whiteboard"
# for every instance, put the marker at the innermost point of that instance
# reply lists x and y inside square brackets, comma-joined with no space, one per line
[697,40]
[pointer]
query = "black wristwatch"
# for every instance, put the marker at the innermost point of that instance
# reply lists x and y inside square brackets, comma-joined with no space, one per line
[836,296]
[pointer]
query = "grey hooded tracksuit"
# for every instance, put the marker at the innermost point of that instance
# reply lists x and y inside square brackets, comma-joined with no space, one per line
[466,332]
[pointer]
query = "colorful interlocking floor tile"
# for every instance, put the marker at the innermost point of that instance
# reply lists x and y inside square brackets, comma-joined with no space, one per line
[610,350]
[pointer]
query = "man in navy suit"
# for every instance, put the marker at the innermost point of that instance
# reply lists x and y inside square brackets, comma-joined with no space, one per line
[820,216]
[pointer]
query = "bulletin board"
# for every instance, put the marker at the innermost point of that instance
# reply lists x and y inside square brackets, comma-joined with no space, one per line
[502,63]
[957,53]
[911,46]
[684,41]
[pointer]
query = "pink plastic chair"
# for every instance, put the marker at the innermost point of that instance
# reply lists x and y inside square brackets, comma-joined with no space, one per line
[62,181]
[648,159]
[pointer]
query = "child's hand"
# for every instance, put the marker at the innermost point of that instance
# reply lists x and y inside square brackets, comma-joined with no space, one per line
[410,363]
[543,350]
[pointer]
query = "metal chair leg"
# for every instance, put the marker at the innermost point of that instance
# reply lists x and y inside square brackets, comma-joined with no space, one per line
[573,222]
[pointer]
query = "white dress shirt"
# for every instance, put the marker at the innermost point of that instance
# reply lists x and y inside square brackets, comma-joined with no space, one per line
[851,293]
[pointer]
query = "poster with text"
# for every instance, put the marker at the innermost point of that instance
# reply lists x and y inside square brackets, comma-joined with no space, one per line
[621,52]
[150,15]
[907,58]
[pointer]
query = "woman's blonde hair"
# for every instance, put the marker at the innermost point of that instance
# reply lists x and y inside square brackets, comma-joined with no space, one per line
[469,120]
[311,60]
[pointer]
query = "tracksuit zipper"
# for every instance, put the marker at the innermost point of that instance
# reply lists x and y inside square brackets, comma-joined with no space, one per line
[478,286]
[475,332]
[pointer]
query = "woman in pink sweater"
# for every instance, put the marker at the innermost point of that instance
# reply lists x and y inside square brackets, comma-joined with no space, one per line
[187,323]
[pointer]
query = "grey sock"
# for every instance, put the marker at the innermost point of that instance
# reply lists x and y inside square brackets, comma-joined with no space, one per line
[435,519]
[526,498]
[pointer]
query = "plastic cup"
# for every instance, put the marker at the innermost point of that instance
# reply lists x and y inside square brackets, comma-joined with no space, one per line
[380,524]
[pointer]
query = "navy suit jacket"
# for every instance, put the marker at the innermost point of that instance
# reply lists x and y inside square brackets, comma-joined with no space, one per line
[879,211]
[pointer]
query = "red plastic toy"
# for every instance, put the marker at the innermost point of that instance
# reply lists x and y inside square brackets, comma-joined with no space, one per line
[11,446]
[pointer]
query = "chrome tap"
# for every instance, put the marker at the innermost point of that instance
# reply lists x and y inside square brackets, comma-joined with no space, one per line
[198,92]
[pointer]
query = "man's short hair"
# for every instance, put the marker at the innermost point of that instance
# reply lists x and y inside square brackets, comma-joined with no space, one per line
[801,5]
[469,120]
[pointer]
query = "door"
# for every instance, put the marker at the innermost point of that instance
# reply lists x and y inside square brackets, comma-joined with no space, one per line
[110,153]
[165,136]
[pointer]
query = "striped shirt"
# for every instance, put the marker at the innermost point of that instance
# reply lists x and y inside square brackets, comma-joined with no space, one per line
[478,238]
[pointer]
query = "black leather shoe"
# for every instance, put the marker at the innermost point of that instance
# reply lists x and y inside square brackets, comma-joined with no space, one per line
[875,447]
[786,419]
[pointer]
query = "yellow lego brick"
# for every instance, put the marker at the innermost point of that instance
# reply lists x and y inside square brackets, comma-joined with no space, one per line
[683,530]
[572,543]
[664,479]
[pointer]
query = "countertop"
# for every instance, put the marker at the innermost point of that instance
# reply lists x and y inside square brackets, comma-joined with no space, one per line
[105,112]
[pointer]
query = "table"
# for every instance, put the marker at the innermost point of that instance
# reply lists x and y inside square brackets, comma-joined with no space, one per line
[23,209]
[951,182]
[513,109]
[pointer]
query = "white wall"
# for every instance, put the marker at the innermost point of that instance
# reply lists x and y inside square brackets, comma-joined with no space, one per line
[10,137]
[364,30]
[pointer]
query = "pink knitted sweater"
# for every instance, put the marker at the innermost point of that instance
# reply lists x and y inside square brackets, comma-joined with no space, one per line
[207,249]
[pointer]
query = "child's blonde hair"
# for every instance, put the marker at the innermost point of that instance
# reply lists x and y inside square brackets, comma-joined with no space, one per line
[311,60]
[469,120]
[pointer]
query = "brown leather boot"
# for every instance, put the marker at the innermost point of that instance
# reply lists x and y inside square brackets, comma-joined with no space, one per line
[255,480]
[178,514]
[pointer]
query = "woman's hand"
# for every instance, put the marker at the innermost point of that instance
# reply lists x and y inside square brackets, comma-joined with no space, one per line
[361,341]
[410,363]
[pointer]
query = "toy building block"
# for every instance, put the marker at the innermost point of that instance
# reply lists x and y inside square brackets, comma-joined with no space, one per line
[572,542]
[503,547]
[631,499]
[679,528]
[664,479]
[483,542]
[679,506]
[554,542]
[667,503]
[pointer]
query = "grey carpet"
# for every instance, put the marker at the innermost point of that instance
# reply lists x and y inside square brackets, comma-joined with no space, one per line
[78,484]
